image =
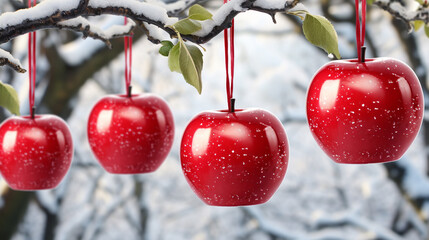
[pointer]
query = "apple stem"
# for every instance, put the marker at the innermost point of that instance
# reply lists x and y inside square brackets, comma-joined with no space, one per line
[130,88]
[363,50]
[33,112]
[232,105]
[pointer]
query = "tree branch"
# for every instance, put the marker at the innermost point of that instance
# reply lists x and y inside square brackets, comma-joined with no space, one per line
[13,24]
[144,12]
[7,59]
[82,25]
[57,14]
[401,12]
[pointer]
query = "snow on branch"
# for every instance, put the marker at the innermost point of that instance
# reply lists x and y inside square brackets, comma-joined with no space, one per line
[50,12]
[69,15]
[44,15]
[396,9]
[81,24]
[158,16]
[7,59]
[176,7]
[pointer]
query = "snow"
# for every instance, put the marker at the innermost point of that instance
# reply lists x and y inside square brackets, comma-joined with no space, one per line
[42,9]
[156,32]
[271,4]
[119,30]
[299,7]
[114,29]
[72,52]
[236,5]
[7,55]
[219,16]
[151,11]
[170,6]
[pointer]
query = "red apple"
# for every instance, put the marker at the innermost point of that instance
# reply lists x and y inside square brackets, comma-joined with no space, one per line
[365,112]
[35,154]
[131,135]
[233,159]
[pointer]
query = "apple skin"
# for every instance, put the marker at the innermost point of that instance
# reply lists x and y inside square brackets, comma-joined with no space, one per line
[35,154]
[365,112]
[234,159]
[131,135]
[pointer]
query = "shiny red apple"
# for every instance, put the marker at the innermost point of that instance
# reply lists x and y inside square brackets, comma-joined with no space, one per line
[35,154]
[131,135]
[233,159]
[365,112]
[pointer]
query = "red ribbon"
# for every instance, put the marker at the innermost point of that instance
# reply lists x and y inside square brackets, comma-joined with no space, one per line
[229,62]
[360,28]
[32,63]
[128,50]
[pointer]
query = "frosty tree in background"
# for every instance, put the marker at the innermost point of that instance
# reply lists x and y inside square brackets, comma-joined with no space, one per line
[71,73]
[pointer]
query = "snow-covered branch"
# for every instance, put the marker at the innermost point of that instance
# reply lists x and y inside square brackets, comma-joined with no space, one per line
[45,15]
[396,9]
[7,59]
[81,24]
[69,15]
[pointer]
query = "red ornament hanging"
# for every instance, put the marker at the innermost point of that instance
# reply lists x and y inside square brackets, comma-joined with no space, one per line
[234,157]
[365,110]
[35,151]
[130,133]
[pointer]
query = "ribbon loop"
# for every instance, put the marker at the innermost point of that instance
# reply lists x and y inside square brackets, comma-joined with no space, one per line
[360,29]
[128,50]
[32,64]
[229,63]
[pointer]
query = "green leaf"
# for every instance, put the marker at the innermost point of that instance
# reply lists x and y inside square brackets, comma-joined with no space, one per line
[369,2]
[173,59]
[187,26]
[320,32]
[166,47]
[418,24]
[191,64]
[427,30]
[197,12]
[9,98]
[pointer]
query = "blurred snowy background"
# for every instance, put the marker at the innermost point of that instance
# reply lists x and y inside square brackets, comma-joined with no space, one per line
[318,198]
